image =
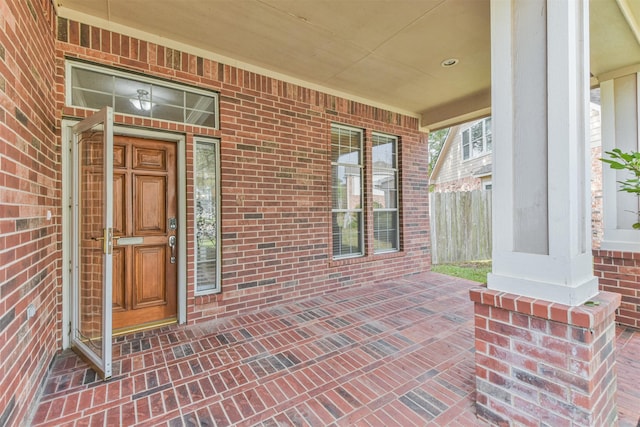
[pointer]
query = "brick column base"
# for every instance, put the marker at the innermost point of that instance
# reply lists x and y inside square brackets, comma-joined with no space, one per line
[542,363]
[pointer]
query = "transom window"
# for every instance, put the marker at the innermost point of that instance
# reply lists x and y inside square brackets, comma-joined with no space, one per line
[477,140]
[94,87]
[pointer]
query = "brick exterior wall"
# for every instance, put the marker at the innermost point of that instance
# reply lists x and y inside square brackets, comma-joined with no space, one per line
[620,272]
[29,188]
[275,175]
[544,364]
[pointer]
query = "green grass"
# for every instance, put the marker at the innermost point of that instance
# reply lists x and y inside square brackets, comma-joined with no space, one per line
[472,270]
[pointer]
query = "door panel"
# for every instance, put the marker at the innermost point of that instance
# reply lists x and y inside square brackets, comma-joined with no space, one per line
[149,279]
[147,198]
[150,204]
[149,159]
[119,156]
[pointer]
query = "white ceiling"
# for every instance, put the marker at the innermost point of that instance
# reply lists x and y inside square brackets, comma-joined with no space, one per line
[386,52]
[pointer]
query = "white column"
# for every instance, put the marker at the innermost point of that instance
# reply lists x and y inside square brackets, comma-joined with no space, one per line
[620,122]
[541,192]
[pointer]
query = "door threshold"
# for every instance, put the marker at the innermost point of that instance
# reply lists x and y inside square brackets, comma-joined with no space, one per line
[145,326]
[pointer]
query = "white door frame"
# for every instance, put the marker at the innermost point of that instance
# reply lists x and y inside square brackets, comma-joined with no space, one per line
[68,239]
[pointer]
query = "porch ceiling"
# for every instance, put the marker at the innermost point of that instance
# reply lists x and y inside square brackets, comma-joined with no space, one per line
[387,52]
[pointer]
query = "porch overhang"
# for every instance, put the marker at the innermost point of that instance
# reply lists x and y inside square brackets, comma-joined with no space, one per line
[387,53]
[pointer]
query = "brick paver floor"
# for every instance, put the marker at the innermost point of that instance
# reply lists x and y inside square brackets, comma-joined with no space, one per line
[389,354]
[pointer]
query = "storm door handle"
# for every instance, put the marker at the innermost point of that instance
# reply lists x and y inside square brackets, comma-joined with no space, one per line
[172,245]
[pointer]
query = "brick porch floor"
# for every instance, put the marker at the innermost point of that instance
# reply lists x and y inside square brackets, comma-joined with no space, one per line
[395,353]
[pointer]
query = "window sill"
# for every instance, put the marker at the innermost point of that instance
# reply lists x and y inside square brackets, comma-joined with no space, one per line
[366,258]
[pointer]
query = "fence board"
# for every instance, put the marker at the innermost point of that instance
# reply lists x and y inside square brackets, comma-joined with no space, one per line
[460,226]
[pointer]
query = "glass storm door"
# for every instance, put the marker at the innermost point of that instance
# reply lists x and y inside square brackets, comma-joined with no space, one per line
[91,328]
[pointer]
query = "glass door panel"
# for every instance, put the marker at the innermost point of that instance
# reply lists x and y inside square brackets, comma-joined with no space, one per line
[91,329]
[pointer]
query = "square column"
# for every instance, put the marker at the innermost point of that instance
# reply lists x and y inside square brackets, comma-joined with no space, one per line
[542,356]
[620,129]
[618,258]
[541,193]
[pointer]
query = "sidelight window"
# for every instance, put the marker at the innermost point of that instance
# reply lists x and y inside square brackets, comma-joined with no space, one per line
[207,216]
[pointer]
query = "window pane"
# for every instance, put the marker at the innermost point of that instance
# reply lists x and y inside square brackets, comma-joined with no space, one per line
[385,234]
[91,89]
[346,187]
[167,96]
[345,145]
[96,82]
[168,112]
[200,102]
[384,190]
[89,99]
[383,152]
[132,88]
[339,187]
[131,105]
[465,145]
[200,118]
[353,187]
[206,220]
[477,143]
[347,234]
[476,131]
[477,148]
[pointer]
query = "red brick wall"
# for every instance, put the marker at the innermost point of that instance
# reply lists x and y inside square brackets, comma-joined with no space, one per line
[541,363]
[29,188]
[619,272]
[275,175]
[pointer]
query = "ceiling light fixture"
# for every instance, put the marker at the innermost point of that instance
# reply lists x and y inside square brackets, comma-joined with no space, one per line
[142,101]
[448,63]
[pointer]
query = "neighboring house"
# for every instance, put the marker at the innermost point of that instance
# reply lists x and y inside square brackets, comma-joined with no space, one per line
[465,162]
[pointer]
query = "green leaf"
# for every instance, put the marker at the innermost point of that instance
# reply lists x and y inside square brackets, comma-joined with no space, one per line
[615,165]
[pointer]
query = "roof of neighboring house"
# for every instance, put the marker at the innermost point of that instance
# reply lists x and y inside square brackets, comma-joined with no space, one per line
[451,136]
[443,152]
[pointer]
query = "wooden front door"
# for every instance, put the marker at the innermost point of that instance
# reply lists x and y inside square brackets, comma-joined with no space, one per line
[144,221]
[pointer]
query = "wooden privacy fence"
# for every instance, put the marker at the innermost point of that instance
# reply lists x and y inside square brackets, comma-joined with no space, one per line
[460,226]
